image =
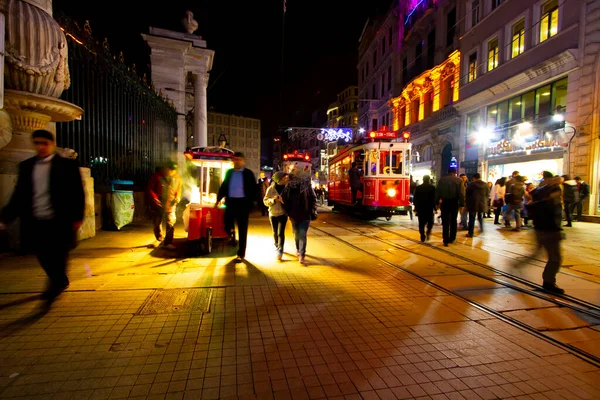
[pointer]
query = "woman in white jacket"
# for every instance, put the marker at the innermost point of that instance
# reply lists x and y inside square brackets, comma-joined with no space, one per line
[497,195]
[277,214]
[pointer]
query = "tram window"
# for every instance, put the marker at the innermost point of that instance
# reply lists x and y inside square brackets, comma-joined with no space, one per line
[391,163]
[397,162]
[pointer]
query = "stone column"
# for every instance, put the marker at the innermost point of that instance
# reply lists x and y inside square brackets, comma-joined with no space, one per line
[200,111]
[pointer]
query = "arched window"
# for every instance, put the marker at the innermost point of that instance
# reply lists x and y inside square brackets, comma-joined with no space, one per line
[427,156]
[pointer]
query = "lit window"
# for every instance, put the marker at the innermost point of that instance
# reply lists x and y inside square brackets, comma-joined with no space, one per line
[518,38]
[549,20]
[492,54]
[472,67]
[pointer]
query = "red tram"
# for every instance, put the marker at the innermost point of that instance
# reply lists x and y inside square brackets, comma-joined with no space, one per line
[297,163]
[385,167]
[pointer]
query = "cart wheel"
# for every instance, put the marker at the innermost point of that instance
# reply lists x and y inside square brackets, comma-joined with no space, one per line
[209,240]
[388,218]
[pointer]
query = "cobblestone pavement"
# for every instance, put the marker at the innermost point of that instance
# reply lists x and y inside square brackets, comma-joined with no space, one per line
[144,323]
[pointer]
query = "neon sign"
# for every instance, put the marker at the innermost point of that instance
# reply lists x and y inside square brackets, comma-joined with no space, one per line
[333,135]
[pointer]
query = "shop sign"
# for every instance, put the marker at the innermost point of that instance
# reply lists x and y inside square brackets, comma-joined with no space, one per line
[508,147]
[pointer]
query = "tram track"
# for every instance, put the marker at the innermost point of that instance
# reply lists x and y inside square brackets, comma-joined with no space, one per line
[553,298]
[493,251]
[573,304]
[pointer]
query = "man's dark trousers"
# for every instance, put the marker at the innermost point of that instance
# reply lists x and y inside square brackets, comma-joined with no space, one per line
[238,210]
[449,210]
[425,219]
[53,240]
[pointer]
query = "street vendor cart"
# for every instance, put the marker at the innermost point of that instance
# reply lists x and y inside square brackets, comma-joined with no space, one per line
[203,218]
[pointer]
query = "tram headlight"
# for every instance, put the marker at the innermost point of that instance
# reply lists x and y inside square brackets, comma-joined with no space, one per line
[391,192]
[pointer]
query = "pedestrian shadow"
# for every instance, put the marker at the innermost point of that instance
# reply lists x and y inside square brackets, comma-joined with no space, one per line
[18,302]
[23,322]
[185,248]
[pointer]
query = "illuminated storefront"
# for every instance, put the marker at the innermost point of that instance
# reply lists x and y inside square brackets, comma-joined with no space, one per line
[526,133]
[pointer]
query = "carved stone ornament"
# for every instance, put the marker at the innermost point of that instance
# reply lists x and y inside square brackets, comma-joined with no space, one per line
[31,112]
[36,51]
[427,85]
[189,23]
[448,70]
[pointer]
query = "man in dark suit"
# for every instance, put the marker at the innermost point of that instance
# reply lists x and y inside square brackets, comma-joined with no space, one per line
[239,191]
[50,201]
[425,206]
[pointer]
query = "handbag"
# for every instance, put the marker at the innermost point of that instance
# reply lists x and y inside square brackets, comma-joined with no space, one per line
[498,203]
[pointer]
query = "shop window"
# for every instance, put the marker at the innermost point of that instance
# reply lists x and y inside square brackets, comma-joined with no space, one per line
[528,100]
[492,61]
[473,126]
[474,13]
[518,38]
[502,115]
[559,96]
[472,67]
[515,109]
[543,101]
[549,20]
[492,116]
[428,104]
[414,112]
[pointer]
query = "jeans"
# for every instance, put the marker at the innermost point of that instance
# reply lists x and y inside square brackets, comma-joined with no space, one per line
[238,211]
[425,219]
[472,215]
[300,229]
[168,217]
[463,217]
[517,210]
[278,224]
[497,212]
[550,241]
[449,224]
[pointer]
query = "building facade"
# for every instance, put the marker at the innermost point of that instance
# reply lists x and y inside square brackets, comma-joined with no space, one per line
[343,113]
[429,78]
[530,89]
[240,134]
[377,81]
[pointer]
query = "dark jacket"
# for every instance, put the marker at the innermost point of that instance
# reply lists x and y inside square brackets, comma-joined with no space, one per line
[569,192]
[544,210]
[515,193]
[354,174]
[66,195]
[450,188]
[424,200]
[250,187]
[477,196]
[299,201]
[584,190]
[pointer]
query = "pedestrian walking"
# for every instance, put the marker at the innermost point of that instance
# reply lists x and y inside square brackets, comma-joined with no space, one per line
[449,193]
[164,190]
[300,203]
[527,199]
[463,210]
[515,202]
[274,201]
[425,205]
[489,205]
[355,175]
[569,199]
[476,202]
[583,190]
[50,201]
[546,213]
[239,191]
[263,185]
[499,192]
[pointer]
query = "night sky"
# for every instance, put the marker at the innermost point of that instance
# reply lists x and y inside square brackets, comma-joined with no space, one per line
[321,49]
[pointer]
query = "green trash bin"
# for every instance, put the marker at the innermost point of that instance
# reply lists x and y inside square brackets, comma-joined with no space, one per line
[122,204]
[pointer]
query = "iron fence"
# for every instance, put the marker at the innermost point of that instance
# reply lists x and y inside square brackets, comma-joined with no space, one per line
[127,129]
